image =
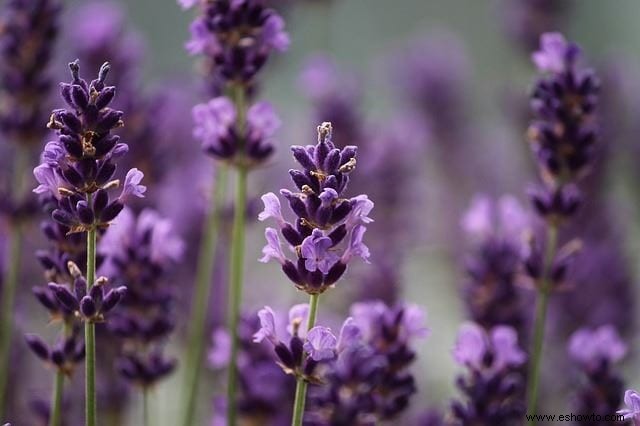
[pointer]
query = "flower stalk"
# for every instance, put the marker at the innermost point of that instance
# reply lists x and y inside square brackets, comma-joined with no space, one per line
[90,335]
[204,275]
[301,383]
[540,319]
[235,286]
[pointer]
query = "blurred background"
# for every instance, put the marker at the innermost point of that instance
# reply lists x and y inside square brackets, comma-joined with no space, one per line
[465,136]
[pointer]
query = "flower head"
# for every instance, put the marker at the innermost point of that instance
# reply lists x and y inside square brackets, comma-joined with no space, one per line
[329,228]
[592,347]
[632,401]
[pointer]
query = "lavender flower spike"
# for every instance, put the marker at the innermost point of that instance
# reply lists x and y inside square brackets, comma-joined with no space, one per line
[328,230]
[88,151]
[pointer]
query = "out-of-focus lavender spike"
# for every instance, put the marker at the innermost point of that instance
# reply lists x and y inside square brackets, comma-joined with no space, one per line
[236,39]
[525,21]
[493,387]
[370,381]
[496,231]
[335,96]
[595,352]
[28,29]
[264,388]
[139,252]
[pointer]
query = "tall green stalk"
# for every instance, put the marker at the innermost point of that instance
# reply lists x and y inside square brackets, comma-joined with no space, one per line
[145,407]
[204,275]
[544,290]
[12,274]
[90,337]
[235,287]
[58,387]
[301,384]
[56,400]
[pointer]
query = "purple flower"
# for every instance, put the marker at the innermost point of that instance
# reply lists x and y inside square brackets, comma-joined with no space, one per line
[236,38]
[132,186]
[213,120]
[24,71]
[298,316]
[49,179]
[350,335]
[473,344]
[87,165]
[320,343]
[315,250]
[592,347]
[329,228]
[273,249]
[494,362]
[485,219]
[215,127]
[221,349]
[272,209]
[632,412]
[267,326]
[555,54]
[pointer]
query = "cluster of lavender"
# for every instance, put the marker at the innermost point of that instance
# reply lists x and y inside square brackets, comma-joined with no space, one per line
[27,32]
[562,136]
[328,230]
[491,293]
[74,179]
[595,352]
[138,252]
[494,383]
[264,390]
[236,38]
[370,382]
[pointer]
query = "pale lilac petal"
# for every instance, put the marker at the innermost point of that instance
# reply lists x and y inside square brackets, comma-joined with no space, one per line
[505,347]
[350,335]
[263,120]
[132,186]
[272,208]
[221,349]
[356,246]
[273,249]
[320,343]
[477,222]
[267,326]
[298,316]
[471,345]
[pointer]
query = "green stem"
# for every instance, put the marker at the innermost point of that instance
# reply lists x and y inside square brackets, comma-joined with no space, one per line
[58,386]
[145,406]
[90,336]
[301,383]
[56,401]
[206,258]
[235,287]
[12,275]
[541,313]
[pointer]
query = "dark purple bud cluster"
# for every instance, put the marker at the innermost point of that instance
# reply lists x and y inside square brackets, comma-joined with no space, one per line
[595,352]
[263,389]
[28,30]
[236,38]
[64,355]
[371,382]
[91,304]
[329,229]
[565,128]
[493,388]
[78,168]
[139,252]
[560,267]
[493,265]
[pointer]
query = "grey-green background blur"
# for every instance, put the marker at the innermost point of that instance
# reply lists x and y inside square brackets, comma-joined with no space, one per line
[360,34]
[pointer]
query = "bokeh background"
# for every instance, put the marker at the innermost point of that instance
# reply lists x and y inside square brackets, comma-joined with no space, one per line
[365,38]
